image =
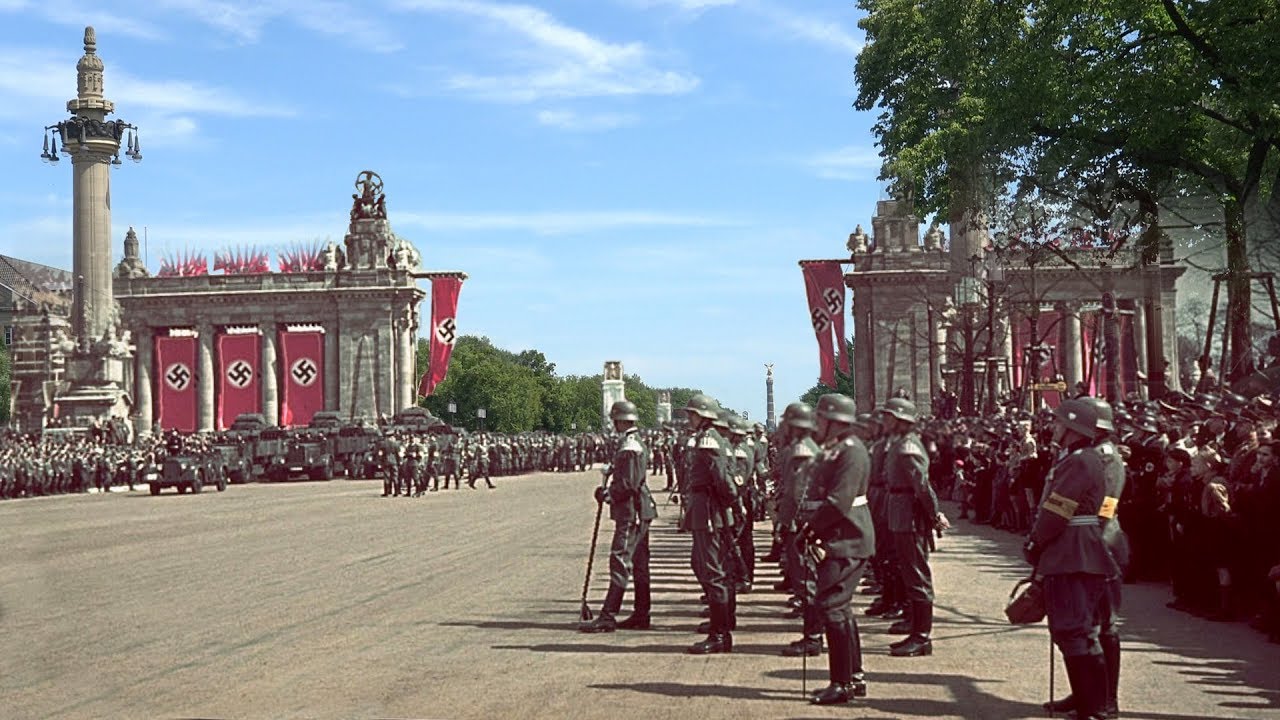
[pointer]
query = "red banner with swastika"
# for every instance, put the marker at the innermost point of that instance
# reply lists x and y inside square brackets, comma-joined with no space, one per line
[238,381]
[824,284]
[444,330]
[302,369]
[175,383]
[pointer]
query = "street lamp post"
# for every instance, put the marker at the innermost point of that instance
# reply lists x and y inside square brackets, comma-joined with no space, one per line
[482,414]
[967,300]
[453,409]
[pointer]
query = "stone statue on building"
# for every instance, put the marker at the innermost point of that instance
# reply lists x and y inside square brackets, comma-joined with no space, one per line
[131,266]
[613,370]
[857,241]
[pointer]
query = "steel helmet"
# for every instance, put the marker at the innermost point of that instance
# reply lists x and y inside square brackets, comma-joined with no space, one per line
[739,426]
[837,407]
[624,410]
[799,414]
[723,420]
[900,408]
[703,406]
[1077,415]
[1105,419]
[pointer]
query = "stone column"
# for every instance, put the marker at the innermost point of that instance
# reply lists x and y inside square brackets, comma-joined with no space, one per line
[1073,366]
[270,393]
[404,360]
[332,370]
[1139,330]
[208,378]
[142,360]
[91,239]
[863,351]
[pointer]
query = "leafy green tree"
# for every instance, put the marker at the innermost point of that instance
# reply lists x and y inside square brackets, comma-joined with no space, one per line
[1103,104]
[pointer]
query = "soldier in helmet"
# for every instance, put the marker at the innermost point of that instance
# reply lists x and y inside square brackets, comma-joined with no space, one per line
[1117,544]
[632,509]
[711,497]
[911,516]
[839,537]
[793,461]
[1067,549]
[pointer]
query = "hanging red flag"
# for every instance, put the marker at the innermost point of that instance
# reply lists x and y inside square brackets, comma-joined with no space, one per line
[238,385]
[176,382]
[824,284]
[444,331]
[302,367]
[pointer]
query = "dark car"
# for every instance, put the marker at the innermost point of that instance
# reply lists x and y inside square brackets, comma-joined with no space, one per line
[188,472]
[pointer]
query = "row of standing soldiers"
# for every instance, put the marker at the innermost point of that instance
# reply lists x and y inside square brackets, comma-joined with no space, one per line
[31,466]
[412,463]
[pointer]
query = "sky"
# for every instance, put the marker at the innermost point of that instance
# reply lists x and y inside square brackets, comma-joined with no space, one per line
[627,180]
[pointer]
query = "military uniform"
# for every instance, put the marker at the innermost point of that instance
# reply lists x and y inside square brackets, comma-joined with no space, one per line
[632,509]
[910,509]
[839,535]
[1069,552]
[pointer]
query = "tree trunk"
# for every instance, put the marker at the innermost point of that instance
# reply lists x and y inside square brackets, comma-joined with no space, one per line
[1239,292]
[1150,244]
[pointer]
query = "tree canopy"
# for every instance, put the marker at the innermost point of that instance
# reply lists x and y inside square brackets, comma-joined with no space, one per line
[521,391]
[1102,106]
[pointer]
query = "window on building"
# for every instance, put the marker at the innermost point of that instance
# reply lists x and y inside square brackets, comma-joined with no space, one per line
[8,334]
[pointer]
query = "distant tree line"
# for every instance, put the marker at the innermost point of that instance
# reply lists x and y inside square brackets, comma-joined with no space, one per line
[521,391]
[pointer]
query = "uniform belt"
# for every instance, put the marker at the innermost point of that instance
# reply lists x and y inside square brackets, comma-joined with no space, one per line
[860,501]
[1083,520]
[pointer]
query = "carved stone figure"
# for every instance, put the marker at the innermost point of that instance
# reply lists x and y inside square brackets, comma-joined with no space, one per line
[857,241]
[613,370]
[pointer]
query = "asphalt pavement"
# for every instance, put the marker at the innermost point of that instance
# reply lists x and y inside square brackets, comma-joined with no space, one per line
[326,600]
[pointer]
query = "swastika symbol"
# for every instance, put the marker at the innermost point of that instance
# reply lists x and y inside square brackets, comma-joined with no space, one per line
[821,320]
[177,376]
[835,303]
[304,371]
[447,331]
[240,373]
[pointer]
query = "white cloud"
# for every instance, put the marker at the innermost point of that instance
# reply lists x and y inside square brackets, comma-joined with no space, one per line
[568,62]
[34,83]
[245,20]
[847,163]
[61,12]
[830,35]
[553,223]
[570,120]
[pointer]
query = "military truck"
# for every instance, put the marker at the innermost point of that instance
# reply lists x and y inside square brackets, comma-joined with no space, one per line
[306,453]
[188,472]
[235,455]
[354,447]
[269,450]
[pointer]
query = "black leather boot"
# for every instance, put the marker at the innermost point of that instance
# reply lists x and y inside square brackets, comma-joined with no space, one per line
[605,622]
[636,621]
[719,640]
[1111,654]
[917,643]
[1088,676]
[858,680]
[839,662]
[810,645]
[878,607]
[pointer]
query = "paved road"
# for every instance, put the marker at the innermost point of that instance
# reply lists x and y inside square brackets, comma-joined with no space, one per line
[324,600]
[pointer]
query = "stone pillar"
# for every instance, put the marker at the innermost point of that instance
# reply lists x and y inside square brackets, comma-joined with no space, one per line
[208,378]
[864,351]
[332,371]
[612,389]
[1166,311]
[142,360]
[270,391]
[91,238]
[1139,330]
[1072,360]
[404,360]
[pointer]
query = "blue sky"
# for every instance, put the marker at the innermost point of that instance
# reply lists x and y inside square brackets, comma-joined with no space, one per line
[622,179]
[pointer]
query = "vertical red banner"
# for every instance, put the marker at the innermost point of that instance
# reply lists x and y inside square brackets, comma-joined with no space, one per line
[444,330]
[824,284]
[175,383]
[302,366]
[239,386]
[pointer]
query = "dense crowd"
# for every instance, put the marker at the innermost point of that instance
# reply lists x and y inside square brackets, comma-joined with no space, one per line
[1199,505]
